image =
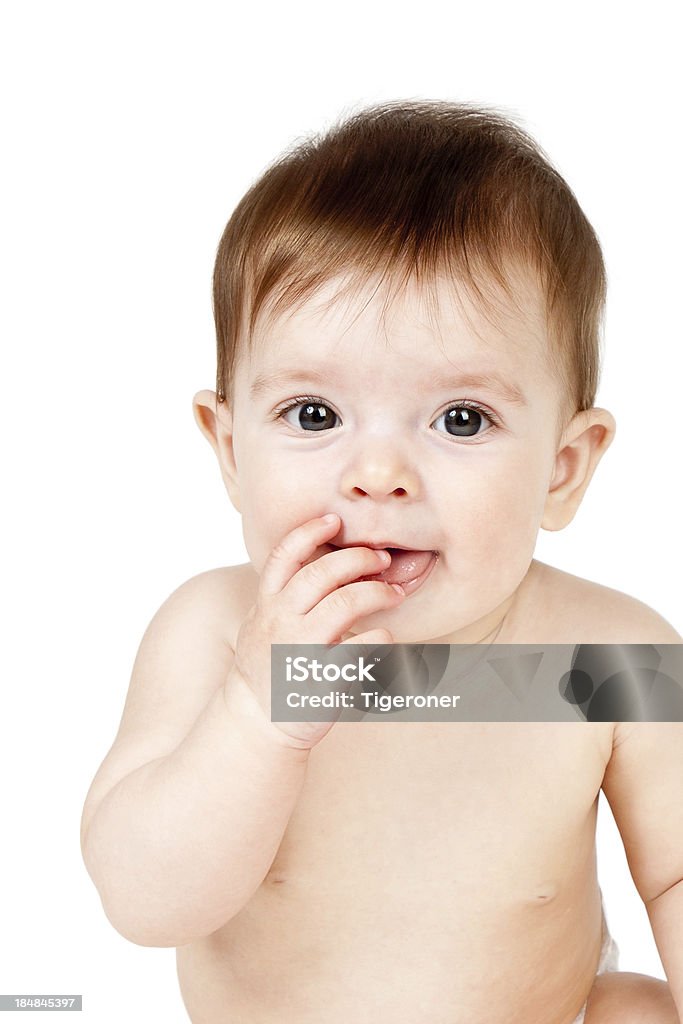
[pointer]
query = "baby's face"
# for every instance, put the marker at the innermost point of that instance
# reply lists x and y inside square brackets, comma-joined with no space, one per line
[435,432]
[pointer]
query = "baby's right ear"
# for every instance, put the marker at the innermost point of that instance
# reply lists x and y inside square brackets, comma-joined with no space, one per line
[214,419]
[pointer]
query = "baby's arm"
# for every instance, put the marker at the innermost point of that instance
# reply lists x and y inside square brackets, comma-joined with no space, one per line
[170,830]
[644,786]
[187,811]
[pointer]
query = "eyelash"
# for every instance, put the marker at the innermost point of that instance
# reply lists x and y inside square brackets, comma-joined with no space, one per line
[464,403]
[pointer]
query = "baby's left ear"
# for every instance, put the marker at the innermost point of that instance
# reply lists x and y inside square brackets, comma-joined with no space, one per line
[584,441]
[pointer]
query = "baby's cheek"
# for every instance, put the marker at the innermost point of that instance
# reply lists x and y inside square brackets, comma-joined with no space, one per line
[518,498]
[500,537]
[267,518]
[259,529]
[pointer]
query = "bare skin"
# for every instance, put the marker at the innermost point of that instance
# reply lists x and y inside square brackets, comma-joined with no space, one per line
[384,902]
[358,871]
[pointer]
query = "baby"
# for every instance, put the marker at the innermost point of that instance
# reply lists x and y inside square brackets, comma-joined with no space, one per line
[408,311]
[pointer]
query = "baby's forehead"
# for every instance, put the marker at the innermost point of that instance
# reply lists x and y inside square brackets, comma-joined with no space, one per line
[442,319]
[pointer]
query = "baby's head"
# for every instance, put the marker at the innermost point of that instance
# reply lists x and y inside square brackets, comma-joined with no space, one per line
[408,314]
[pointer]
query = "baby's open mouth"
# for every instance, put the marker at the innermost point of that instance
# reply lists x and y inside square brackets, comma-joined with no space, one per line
[406,565]
[409,567]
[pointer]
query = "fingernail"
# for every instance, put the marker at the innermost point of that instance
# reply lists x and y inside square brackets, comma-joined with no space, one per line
[330,517]
[385,556]
[398,588]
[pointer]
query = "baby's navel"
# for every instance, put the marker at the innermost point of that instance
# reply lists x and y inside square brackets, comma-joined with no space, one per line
[545,893]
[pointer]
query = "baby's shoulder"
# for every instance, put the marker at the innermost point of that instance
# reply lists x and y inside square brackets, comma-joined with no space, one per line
[572,610]
[227,593]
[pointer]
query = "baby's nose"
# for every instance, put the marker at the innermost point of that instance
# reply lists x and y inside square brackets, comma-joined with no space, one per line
[379,473]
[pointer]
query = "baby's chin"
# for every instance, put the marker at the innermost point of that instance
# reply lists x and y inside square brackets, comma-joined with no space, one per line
[399,635]
[467,626]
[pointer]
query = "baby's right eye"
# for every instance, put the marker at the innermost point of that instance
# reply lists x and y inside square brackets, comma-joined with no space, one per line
[311,414]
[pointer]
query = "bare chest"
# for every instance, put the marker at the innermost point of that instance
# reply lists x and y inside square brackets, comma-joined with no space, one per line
[432,844]
[421,804]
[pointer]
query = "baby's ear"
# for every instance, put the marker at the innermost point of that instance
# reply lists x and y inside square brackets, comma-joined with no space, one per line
[214,419]
[583,443]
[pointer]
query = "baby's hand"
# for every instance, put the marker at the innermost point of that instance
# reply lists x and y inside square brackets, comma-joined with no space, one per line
[300,602]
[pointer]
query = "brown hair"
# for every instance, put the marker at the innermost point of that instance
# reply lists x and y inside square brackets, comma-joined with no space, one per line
[425,188]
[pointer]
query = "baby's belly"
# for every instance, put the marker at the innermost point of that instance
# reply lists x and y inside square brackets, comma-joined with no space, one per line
[438,872]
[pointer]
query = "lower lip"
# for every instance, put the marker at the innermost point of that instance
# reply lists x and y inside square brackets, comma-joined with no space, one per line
[410,586]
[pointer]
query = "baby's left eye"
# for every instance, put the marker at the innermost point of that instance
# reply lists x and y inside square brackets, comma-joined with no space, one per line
[464,420]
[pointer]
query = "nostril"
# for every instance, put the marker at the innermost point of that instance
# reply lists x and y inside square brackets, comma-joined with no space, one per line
[400,492]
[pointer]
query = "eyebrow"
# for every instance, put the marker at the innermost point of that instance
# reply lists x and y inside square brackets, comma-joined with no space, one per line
[491,381]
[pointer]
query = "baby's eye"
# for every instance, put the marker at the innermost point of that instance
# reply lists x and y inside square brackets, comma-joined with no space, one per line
[464,420]
[309,414]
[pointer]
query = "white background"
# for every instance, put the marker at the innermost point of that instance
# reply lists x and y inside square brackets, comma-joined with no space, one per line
[129,132]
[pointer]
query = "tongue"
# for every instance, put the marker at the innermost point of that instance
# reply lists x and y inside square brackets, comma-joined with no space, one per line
[405,565]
